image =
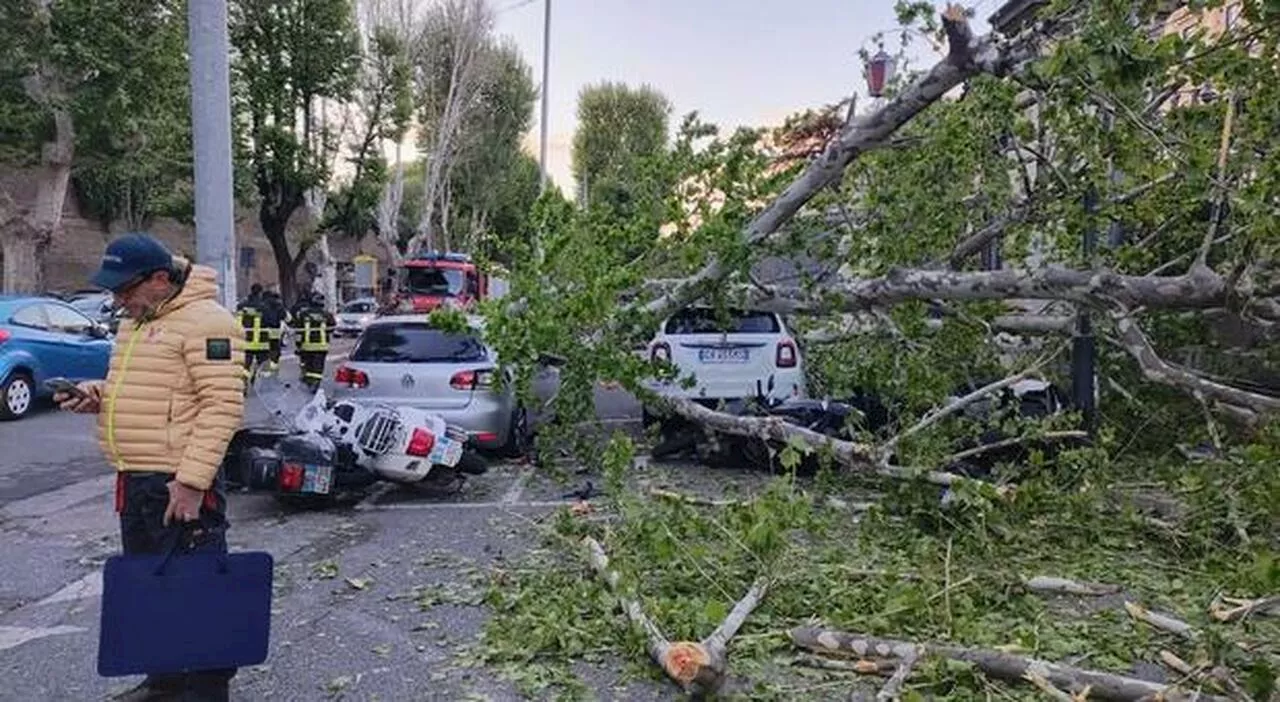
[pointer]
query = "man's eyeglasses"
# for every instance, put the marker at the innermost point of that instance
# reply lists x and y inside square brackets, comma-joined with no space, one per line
[132,284]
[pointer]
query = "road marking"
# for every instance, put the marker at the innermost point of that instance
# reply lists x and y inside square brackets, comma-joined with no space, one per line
[82,589]
[469,505]
[59,500]
[516,490]
[14,636]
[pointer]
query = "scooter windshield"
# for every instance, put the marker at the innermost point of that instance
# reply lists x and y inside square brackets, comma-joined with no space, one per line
[274,402]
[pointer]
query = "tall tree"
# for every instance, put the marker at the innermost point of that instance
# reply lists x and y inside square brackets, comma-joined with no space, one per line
[451,67]
[290,55]
[78,63]
[619,127]
[134,151]
[490,171]
[380,111]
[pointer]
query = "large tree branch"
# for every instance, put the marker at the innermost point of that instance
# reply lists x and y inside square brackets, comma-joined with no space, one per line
[1161,371]
[1198,289]
[967,58]
[886,450]
[697,666]
[997,664]
[855,456]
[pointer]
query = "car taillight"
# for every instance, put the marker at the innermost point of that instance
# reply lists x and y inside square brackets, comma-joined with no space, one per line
[421,443]
[291,475]
[4,336]
[660,351]
[470,380]
[786,354]
[346,375]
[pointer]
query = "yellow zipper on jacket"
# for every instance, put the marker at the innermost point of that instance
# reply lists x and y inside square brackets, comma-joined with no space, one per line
[115,391]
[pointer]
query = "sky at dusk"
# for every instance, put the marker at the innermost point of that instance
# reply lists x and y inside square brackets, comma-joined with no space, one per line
[737,62]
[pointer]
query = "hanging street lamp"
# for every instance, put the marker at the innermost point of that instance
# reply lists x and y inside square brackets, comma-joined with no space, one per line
[879,72]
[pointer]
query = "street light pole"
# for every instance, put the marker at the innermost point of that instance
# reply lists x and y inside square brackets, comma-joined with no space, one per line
[546,70]
[209,49]
[1083,345]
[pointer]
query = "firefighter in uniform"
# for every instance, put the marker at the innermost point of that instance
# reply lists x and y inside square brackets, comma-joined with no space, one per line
[250,313]
[274,316]
[313,343]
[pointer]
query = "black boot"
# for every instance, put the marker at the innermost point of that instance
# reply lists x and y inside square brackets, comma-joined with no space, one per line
[209,686]
[156,688]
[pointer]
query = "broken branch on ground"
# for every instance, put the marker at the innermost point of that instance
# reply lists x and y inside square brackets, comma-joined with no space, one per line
[698,667]
[887,448]
[1005,666]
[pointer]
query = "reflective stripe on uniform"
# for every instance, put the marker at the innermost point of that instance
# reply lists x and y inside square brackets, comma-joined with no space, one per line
[254,339]
[314,336]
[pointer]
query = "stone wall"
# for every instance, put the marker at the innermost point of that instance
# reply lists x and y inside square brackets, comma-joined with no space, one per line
[77,246]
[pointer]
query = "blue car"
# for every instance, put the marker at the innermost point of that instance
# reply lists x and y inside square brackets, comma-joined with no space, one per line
[42,338]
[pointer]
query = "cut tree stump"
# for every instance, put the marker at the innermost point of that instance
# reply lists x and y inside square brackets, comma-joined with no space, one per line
[1005,666]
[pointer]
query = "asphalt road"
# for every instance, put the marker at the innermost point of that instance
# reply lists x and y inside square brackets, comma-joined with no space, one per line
[330,639]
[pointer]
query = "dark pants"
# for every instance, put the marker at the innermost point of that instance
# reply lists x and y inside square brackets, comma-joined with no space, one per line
[273,348]
[312,363]
[141,500]
[259,357]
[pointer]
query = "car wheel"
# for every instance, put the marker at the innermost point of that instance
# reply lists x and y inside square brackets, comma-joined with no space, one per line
[518,442]
[17,395]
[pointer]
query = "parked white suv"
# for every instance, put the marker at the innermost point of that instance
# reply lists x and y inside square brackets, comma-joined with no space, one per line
[731,356]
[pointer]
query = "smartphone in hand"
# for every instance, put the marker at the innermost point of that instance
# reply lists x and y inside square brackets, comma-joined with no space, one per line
[62,385]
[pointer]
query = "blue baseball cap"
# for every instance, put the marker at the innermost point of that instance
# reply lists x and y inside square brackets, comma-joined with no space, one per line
[130,258]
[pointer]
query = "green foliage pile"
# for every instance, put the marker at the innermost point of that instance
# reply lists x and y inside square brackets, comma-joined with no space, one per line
[907,570]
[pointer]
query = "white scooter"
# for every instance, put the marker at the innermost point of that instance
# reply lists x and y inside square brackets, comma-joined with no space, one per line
[350,445]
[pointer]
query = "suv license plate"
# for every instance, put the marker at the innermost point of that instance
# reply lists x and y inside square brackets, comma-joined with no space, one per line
[722,355]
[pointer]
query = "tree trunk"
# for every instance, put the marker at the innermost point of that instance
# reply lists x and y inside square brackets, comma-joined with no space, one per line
[286,265]
[389,211]
[22,264]
[328,274]
[446,241]
[25,237]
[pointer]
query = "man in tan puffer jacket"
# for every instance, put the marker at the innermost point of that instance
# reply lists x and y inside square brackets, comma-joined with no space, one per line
[172,399]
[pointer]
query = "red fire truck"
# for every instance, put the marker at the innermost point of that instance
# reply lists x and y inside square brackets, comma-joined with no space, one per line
[431,280]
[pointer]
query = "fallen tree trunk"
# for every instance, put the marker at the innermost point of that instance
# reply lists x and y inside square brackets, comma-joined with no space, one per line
[858,457]
[1196,289]
[1004,666]
[699,667]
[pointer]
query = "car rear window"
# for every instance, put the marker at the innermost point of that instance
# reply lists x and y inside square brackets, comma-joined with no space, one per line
[416,343]
[358,307]
[709,321]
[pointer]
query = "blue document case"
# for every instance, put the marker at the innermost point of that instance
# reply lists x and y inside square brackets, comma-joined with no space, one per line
[184,612]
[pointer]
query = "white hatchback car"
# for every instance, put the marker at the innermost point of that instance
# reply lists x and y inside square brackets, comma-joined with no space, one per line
[731,356]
